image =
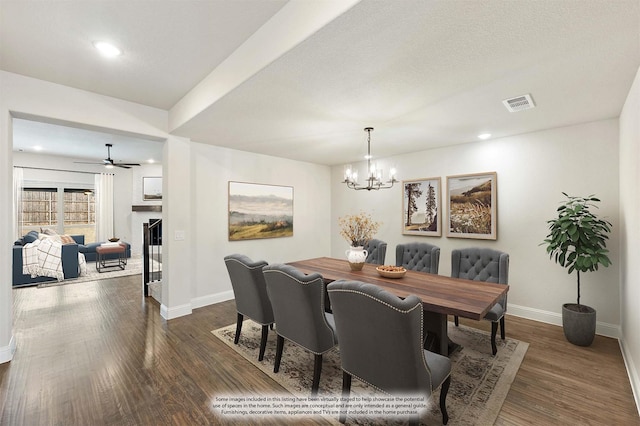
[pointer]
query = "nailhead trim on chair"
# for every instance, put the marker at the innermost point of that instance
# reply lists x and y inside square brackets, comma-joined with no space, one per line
[321,306]
[244,264]
[402,312]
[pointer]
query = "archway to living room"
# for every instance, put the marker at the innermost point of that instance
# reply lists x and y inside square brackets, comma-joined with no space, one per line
[59,162]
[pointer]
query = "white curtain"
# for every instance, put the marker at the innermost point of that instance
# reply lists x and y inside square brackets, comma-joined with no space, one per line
[104,206]
[18,183]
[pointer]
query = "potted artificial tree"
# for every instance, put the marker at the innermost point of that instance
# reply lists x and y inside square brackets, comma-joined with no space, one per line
[577,241]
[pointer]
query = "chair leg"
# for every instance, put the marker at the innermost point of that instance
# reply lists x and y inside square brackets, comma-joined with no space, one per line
[263,341]
[494,331]
[317,369]
[455,320]
[279,348]
[502,327]
[346,391]
[443,400]
[238,327]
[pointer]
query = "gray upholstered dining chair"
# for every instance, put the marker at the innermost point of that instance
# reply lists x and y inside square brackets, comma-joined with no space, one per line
[298,307]
[421,257]
[486,265]
[376,251]
[250,293]
[381,340]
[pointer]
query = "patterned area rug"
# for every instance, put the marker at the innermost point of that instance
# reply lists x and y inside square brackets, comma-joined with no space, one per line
[479,385]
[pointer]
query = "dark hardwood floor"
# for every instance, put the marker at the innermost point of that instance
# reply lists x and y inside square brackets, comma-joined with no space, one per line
[98,353]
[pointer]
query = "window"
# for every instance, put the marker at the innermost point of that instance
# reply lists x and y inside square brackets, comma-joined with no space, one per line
[79,207]
[70,211]
[39,208]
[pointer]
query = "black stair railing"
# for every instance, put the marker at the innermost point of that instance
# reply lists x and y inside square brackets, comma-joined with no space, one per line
[152,253]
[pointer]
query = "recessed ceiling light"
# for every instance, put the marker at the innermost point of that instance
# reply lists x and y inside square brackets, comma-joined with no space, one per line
[37,148]
[484,136]
[107,49]
[150,161]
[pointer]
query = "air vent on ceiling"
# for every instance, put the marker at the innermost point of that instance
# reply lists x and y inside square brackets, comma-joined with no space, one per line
[519,103]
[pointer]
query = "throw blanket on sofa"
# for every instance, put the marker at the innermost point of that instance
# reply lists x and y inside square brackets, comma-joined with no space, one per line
[82,264]
[43,258]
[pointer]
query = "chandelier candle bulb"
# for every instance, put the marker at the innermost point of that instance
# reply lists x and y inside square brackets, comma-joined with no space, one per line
[347,172]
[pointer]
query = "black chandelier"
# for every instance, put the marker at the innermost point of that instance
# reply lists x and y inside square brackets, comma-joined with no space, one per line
[374,175]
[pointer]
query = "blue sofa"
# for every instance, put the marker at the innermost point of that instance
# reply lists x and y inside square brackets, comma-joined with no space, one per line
[70,265]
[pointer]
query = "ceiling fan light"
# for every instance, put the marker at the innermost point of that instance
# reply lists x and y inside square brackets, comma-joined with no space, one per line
[108,166]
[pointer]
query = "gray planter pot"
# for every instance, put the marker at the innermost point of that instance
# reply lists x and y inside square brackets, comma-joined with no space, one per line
[579,325]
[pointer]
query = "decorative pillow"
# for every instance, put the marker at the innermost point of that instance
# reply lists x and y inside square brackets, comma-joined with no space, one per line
[30,237]
[66,239]
[48,231]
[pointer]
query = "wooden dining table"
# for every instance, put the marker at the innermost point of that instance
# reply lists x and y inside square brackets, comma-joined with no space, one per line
[440,295]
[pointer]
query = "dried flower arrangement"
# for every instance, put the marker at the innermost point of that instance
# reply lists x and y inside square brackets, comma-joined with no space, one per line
[358,229]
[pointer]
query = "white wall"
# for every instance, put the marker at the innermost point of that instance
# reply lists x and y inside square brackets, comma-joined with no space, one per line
[139,217]
[630,231]
[212,168]
[7,340]
[532,169]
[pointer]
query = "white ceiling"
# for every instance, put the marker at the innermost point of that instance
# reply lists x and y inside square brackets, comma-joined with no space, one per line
[424,73]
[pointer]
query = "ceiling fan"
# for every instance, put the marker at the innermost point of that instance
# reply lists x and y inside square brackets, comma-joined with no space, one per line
[108,162]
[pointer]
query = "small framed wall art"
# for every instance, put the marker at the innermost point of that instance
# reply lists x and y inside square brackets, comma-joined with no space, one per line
[421,210]
[151,188]
[260,211]
[472,206]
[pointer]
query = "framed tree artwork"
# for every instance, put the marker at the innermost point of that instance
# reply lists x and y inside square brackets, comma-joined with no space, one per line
[472,206]
[421,207]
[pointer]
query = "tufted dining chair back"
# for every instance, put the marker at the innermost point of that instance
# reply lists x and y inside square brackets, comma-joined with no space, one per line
[486,265]
[381,342]
[299,311]
[421,257]
[250,293]
[377,251]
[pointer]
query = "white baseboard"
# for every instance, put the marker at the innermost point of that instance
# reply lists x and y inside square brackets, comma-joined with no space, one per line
[175,312]
[602,328]
[198,302]
[632,371]
[212,299]
[6,353]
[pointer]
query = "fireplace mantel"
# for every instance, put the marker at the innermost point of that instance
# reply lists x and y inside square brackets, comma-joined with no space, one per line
[155,208]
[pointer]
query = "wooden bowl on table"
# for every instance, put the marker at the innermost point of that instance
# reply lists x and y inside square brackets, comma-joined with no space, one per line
[389,271]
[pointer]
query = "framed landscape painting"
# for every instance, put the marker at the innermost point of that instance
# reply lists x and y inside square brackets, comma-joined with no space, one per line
[259,211]
[472,206]
[421,210]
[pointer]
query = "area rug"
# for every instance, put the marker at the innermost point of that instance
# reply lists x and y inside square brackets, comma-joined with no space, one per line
[134,267]
[479,385]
